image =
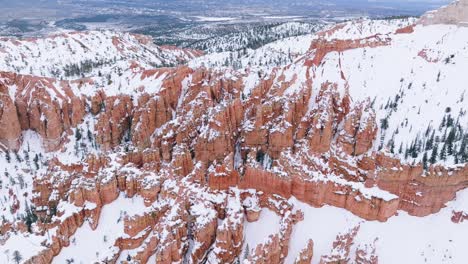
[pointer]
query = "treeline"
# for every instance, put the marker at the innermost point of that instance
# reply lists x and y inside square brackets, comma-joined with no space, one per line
[447,142]
[83,67]
[255,37]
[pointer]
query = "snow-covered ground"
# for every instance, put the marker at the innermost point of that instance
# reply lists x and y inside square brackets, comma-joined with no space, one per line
[406,89]
[415,82]
[214,19]
[71,55]
[98,244]
[258,232]
[402,239]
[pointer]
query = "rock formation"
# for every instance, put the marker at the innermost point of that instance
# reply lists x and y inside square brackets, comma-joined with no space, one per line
[454,13]
[206,151]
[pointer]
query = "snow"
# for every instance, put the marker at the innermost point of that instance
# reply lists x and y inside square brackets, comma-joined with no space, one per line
[27,245]
[214,19]
[362,28]
[277,53]
[382,73]
[95,245]
[98,54]
[258,232]
[378,74]
[402,239]
[282,17]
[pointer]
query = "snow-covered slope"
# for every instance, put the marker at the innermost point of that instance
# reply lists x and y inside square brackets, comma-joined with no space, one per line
[74,55]
[345,146]
[256,36]
[415,85]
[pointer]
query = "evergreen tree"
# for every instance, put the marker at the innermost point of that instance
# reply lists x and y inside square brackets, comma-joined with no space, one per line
[30,218]
[78,135]
[449,121]
[384,123]
[246,252]
[18,157]
[443,153]
[392,146]
[36,161]
[434,154]
[449,141]
[425,166]
[17,256]
[7,156]
[442,125]
[430,141]
[463,152]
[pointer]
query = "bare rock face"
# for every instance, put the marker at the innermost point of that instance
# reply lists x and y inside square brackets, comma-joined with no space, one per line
[256,178]
[114,121]
[10,129]
[306,254]
[41,105]
[359,131]
[223,176]
[322,119]
[459,217]
[276,248]
[409,183]
[455,13]
[323,46]
[341,248]
[229,236]
[366,254]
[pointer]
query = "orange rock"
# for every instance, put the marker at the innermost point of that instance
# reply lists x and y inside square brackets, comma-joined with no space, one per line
[305,256]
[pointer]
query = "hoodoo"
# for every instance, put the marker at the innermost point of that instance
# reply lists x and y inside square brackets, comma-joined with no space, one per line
[352,148]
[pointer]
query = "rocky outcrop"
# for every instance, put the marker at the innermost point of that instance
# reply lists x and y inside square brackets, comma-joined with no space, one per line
[341,248]
[229,236]
[114,121]
[10,129]
[321,47]
[42,105]
[276,248]
[421,192]
[459,217]
[366,254]
[359,131]
[207,154]
[454,13]
[306,254]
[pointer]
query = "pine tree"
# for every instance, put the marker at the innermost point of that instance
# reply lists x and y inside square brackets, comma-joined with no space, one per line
[430,141]
[246,252]
[384,123]
[443,153]
[17,256]
[449,141]
[392,146]
[30,218]
[425,166]
[463,152]
[7,156]
[442,125]
[36,161]
[18,157]
[449,121]
[434,154]
[78,135]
